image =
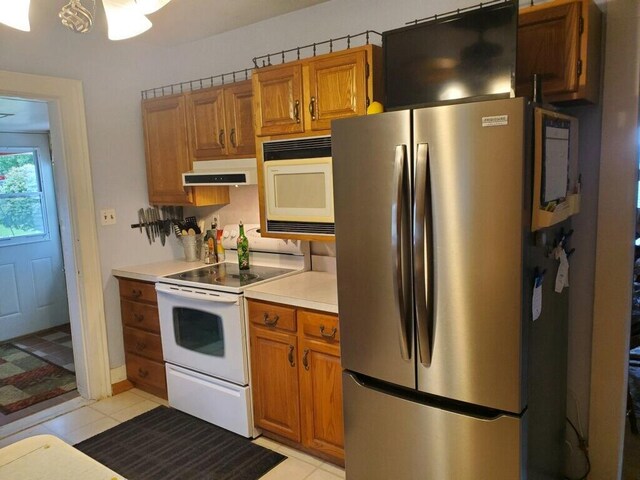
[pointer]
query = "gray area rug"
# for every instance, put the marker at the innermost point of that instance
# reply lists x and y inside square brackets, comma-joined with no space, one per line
[166,444]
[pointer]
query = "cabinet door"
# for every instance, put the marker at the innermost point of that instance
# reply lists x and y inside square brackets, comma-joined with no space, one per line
[549,44]
[238,104]
[337,88]
[321,397]
[167,155]
[278,100]
[274,370]
[208,136]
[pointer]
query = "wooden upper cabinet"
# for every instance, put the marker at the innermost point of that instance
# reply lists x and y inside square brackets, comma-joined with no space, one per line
[560,40]
[337,88]
[166,142]
[206,123]
[221,122]
[305,95]
[278,100]
[166,148]
[238,101]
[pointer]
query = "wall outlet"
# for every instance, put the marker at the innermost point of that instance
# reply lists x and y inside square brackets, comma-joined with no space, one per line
[108,216]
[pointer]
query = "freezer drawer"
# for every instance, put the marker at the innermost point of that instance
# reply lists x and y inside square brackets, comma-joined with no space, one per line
[391,437]
[210,399]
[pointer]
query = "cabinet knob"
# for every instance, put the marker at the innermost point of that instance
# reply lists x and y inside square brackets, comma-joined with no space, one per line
[141,346]
[136,293]
[143,373]
[270,322]
[138,316]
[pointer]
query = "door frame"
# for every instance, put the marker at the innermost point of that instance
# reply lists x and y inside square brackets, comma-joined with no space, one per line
[74,193]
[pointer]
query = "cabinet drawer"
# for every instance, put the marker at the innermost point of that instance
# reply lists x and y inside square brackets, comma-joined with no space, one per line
[319,325]
[272,316]
[146,372]
[139,291]
[140,315]
[143,343]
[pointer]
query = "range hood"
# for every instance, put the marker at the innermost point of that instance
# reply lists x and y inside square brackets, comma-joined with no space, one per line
[241,171]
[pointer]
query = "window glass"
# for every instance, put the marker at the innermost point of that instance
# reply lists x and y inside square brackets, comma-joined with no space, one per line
[21,198]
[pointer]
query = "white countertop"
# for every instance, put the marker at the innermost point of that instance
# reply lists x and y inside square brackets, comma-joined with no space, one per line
[313,290]
[151,272]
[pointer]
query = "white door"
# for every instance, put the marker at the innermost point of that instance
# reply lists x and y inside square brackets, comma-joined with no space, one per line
[32,281]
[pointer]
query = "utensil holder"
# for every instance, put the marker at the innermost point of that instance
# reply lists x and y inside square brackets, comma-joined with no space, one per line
[192,245]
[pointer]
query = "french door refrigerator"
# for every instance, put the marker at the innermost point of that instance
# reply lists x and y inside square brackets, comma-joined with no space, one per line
[446,375]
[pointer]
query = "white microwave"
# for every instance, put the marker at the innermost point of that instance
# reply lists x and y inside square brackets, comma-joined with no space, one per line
[298,186]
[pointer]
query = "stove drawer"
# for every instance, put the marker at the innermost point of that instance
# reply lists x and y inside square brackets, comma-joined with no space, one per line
[140,315]
[272,316]
[145,344]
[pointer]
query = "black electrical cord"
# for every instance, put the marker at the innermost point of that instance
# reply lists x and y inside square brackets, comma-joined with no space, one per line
[582,444]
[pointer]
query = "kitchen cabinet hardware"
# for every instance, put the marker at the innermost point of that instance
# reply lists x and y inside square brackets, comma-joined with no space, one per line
[291,360]
[305,360]
[270,322]
[296,111]
[312,108]
[232,138]
[136,293]
[140,346]
[331,335]
[138,316]
[143,373]
[221,138]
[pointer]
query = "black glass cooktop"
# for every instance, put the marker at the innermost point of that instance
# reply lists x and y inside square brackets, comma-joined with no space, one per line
[229,275]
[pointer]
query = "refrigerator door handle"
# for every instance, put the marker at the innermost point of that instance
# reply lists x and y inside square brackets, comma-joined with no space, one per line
[397,213]
[422,253]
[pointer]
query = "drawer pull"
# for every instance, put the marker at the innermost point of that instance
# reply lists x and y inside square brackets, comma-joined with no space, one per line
[312,108]
[296,111]
[143,373]
[141,346]
[138,316]
[305,360]
[221,138]
[331,335]
[136,293]
[232,137]
[269,322]
[291,360]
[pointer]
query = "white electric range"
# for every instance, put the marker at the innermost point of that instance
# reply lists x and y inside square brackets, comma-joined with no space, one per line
[204,334]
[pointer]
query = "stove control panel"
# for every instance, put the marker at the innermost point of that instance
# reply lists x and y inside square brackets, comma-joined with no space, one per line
[259,244]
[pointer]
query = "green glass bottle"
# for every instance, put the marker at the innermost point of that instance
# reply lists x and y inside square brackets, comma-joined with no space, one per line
[243,249]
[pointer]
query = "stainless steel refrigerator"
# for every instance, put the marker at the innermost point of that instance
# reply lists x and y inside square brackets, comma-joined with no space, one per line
[447,377]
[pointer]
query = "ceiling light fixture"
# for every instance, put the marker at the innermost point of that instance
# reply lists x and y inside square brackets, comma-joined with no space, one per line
[125,18]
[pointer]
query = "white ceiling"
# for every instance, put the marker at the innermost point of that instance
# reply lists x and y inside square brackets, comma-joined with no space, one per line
[178,22]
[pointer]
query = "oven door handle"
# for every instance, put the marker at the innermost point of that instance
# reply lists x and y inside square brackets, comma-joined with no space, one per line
[195,293]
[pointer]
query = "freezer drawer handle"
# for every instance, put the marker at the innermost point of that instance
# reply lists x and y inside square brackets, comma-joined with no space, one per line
[396,242]
[331,335]
[268,322]
[291,360]
[422,251]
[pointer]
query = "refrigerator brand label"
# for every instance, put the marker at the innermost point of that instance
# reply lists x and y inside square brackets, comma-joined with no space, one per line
[495,121]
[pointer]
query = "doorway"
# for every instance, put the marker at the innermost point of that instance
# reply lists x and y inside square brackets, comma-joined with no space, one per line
[69,145]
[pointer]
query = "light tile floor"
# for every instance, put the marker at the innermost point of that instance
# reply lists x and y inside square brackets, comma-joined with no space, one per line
[89,420]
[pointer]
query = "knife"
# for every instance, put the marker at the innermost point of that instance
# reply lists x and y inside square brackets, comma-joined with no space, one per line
[149,220]
[143,221]
[140,218]
[160,224]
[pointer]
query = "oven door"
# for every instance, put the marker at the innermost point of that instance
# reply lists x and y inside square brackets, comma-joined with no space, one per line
[203,331]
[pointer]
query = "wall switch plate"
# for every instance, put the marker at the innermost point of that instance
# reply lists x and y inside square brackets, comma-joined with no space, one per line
[108,216]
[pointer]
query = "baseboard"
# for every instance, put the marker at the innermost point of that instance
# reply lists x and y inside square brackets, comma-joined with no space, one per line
[120,387]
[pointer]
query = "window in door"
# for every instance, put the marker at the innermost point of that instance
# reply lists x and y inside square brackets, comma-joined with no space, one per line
[22,203]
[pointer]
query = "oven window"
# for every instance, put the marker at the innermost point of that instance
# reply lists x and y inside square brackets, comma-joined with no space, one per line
[198,331]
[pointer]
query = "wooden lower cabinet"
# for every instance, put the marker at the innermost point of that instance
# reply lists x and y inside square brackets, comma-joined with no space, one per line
[297,378]
[142,342]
